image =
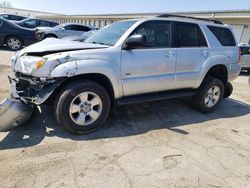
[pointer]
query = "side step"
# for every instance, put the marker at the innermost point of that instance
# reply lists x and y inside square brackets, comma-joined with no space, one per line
[155,96]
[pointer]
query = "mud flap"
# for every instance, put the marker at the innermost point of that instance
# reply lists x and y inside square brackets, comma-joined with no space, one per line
[13,113]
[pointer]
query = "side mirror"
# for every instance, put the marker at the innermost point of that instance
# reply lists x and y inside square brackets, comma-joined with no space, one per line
[62,29]
[135,41]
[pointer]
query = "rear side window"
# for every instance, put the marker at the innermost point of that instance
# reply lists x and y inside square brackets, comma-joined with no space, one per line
[224,35]
[245,50]
[189,35]
[79,28]
[44,23]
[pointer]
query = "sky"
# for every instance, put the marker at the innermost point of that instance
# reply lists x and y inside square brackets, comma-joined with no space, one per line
[127,6]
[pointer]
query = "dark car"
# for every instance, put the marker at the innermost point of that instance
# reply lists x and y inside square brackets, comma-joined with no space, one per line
[12,17]
[33,23]
[14,36]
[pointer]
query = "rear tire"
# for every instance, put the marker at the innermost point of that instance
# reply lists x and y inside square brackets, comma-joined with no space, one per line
[209,95]
[228,90]
[82,107]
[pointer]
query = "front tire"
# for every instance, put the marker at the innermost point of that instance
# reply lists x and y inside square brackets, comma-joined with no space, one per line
[82,107]
[209,95]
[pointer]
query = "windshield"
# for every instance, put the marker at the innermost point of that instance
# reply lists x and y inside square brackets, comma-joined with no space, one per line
[109,35]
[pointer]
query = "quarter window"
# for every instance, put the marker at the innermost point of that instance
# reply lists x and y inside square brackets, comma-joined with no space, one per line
[189,35]
[224,35]
[158,34]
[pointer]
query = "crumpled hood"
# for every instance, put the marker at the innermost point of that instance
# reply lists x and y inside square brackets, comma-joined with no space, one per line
[58,45]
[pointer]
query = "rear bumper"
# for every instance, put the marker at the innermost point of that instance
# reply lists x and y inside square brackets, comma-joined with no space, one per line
[234,71]
[13,113]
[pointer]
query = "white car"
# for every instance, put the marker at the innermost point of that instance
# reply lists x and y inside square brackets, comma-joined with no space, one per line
[63,30]
[245,57]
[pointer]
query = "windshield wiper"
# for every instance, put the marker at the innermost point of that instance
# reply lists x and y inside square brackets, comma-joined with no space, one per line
[101,43]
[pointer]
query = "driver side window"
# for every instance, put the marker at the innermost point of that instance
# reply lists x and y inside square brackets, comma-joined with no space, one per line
[157,33]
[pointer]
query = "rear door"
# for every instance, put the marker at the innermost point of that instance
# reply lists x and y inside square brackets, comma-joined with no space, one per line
[192,51]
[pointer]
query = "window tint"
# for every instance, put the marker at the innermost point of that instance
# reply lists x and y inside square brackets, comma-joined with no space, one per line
[79,28]
[44,23]
[224,35]
[52,24]
[158,34]
[189,35]
[68,27]
[245,50]
[5,16]
[82,28]
[31,23]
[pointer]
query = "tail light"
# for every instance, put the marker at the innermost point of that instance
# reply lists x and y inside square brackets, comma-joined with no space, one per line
[239,56]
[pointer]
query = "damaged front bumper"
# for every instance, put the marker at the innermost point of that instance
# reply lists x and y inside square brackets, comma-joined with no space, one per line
[33,90]
[25,92]
[13,113]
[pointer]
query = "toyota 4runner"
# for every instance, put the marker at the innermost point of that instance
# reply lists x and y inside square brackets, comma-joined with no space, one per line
[126,62]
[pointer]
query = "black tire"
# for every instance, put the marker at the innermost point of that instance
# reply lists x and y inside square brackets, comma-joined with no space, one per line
[228,90]
[199,98]
[12,46]
[50,36]
[68,94]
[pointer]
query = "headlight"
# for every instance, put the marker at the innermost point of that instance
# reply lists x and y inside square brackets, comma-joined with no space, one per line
[29,64]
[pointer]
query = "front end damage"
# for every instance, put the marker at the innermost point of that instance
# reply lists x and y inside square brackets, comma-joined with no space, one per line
[26,93]
[13,113]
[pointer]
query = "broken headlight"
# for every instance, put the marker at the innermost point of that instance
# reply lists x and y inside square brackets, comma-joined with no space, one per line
[29,64]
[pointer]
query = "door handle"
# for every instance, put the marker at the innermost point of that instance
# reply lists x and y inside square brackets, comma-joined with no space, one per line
[204,53]
[169,54]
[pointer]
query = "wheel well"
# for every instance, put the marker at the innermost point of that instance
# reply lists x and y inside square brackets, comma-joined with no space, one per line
[51,34]
[98,78]
[5,40]
[219,72]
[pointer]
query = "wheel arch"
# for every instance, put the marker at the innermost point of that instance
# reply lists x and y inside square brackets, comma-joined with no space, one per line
[50,34]
[8,36]
[219,71]
[101,79]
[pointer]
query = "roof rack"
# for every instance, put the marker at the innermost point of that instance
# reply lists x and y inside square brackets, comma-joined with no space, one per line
[189,17]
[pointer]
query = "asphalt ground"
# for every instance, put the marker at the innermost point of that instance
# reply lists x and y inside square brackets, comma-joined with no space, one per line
[157,144]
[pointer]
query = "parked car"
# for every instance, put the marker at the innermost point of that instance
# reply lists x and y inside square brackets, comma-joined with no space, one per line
[63,30]
[33,23]
[245,57]
[82,37]
[14,36]
[12,17]
[127,62]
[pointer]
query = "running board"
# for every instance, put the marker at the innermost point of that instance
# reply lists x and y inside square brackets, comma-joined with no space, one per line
[155,96]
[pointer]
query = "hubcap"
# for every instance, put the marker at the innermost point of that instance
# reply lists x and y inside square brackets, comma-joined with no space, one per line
[212,96]
[85,108]
[14,43]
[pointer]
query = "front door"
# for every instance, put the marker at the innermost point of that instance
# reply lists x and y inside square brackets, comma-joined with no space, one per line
[151,67]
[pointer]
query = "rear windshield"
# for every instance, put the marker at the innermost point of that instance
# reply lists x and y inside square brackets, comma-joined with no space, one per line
[224,35]
[245,50]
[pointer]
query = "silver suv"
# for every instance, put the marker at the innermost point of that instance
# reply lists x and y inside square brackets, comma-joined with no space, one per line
[127,62]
